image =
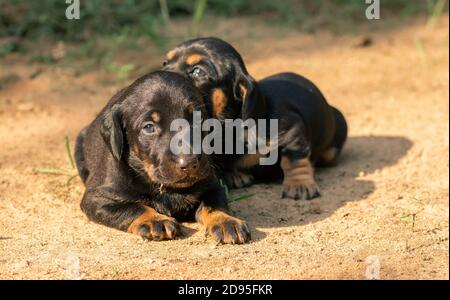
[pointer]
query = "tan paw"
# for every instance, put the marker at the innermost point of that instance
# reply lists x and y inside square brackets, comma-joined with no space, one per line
[301,192]
[224,228]
[154,226]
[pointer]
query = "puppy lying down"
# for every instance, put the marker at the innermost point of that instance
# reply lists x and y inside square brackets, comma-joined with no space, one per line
[310,131]
[133,180]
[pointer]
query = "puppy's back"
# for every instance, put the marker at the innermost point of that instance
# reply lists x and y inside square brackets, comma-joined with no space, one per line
[289,94]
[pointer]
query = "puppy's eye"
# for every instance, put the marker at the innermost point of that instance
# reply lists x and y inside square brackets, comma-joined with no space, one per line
[197,72]
[165,63]
[149,128]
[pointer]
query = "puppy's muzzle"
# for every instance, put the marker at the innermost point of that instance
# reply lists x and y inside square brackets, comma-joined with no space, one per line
[188,164]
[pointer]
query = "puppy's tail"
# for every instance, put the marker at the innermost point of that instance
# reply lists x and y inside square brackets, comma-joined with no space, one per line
[79,155]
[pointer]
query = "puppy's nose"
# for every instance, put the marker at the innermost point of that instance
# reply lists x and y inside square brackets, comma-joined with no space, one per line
[188,163]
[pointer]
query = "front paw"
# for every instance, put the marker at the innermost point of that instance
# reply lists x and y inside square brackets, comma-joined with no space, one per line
[237,179]
[155,226]
[229,230]
[225,228]
[301,191]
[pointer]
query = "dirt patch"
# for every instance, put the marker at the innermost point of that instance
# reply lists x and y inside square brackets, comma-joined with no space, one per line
[386,202]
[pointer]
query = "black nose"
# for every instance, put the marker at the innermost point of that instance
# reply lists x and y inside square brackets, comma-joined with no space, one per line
[188,163]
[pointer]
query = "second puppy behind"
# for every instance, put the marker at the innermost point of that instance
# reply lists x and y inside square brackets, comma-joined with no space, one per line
[311,132]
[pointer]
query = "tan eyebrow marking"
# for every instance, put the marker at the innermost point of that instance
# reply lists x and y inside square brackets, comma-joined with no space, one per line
[156,116]
[193,59]
[171,54]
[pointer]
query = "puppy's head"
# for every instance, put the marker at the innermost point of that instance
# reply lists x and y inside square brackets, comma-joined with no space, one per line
[137,129]
[218,70]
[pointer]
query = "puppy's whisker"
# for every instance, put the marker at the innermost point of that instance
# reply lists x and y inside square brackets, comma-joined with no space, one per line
[161,188]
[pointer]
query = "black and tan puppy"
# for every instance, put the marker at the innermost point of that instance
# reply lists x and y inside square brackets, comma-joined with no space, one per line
[133,180]
[310,131]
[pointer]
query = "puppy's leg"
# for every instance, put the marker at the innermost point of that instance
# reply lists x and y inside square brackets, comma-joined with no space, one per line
[298,180]
[298,171]
[330,156]
[236,179]
[110,209]
[239,176]
[218,223]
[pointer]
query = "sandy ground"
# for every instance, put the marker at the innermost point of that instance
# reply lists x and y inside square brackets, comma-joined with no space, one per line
[384,207]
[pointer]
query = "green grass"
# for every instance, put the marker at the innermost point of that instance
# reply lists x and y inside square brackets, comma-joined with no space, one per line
[107,28]
[33,19]
[69,152]
[233,198]
[435,8]
[68,172]
[199,12]
[420,50]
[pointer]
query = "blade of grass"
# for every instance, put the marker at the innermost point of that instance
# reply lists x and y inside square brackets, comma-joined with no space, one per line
[233,198]
[164,11]
[69,152]
[225,188]
[199,11]
[436,12]
[420,51]
[241,197]
[54,171]
[71,178]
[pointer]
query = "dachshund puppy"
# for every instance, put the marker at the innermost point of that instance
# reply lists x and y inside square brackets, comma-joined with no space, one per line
[311,132]
[134,182]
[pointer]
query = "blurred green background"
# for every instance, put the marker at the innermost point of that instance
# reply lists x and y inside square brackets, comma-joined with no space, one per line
[37,28]
[39,18]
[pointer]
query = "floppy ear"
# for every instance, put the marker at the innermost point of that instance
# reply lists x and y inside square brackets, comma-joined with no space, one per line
[246,90]
[112,131]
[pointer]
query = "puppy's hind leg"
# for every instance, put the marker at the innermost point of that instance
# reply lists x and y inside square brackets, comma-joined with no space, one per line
[299,182]
[330,156]
[298,170]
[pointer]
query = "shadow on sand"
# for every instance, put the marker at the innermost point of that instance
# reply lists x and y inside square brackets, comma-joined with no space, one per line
[339,185]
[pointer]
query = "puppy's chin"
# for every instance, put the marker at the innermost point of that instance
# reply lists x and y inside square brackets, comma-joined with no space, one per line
[181,182]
